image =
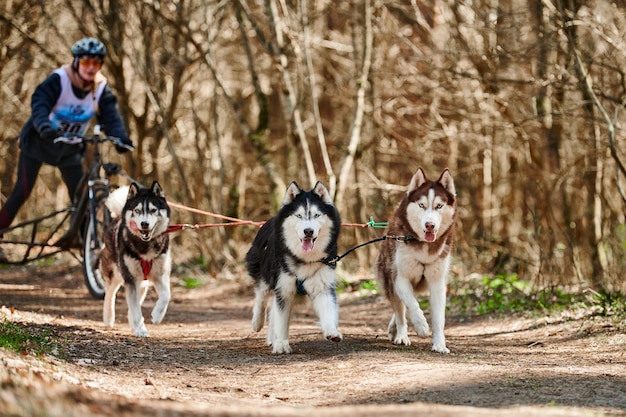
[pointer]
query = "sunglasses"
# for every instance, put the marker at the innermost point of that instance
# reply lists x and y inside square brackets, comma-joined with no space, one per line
[90,61]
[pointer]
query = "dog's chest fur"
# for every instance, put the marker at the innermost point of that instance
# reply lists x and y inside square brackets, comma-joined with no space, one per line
[135,258]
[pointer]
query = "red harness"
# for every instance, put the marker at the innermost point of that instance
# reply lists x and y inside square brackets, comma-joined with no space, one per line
[146,267]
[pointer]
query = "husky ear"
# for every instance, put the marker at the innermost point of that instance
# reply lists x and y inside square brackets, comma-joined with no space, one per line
[292,191]
[446,180]
[132,190]
[321,190]
[418,179]
[157,190]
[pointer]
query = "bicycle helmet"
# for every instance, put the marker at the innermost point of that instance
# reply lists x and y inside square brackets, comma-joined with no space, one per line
[89,46]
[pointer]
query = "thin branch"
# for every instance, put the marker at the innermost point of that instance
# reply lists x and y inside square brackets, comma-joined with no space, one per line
[332,178]
[609,123]
[291,92]
[363,83]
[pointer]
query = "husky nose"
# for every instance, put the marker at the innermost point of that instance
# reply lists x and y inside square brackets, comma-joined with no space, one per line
[145,225]
[308,232]
[430,227]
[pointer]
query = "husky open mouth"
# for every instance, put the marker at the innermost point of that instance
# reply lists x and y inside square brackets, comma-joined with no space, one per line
[430,236]
[144,234]
[308,243]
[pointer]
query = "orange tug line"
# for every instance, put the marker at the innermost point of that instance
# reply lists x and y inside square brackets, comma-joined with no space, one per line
[232,221]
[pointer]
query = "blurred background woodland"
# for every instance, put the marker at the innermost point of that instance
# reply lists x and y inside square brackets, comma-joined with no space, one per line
[228,101]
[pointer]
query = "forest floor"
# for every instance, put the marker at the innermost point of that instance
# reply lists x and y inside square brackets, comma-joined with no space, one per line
[205,360]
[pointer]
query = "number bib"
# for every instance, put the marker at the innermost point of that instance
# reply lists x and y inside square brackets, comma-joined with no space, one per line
[72,114]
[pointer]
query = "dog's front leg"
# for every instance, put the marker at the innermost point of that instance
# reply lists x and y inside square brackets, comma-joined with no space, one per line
[135,317]
[278,328]
[438,310]
[325,305]
[162,287]
[404,290]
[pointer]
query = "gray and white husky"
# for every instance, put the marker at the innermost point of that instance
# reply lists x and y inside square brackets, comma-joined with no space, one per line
[137,253]
[418,258]
[292,256]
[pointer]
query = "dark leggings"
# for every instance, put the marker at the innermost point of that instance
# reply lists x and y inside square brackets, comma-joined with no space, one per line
[27,172]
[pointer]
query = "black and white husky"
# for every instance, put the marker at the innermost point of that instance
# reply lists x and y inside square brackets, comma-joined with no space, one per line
[137,253]
[418,258]
[292,255]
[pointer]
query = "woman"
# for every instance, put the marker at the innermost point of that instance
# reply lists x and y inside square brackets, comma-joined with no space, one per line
[65,102]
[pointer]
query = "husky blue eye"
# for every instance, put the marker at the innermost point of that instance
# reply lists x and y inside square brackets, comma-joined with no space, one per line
[421,205]
[299,216]
[439,206]
[317,215]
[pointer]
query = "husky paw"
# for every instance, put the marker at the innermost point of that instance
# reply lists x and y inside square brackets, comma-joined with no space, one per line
[281,347]
[157,317]
[401,340]
[392,331]
[439,343]
[257,323]
[440,348]
[421,326]
[109,323]
[141,333]
[333,336]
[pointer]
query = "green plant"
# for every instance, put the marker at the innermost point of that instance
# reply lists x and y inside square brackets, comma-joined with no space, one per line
[503,293]
[342,285]
[25,340]
[370,285]
[609,303]
[191,282]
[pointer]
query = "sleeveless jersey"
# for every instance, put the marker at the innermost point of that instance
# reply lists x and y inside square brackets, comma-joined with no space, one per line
[72,114]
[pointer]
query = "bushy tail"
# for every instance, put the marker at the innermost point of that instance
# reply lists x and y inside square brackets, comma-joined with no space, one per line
[116,201]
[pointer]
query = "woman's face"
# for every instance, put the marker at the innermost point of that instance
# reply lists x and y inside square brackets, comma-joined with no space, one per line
[88,67]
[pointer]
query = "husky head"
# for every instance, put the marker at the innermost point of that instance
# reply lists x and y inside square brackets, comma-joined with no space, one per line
[310,222]
[431,205]
[146,212]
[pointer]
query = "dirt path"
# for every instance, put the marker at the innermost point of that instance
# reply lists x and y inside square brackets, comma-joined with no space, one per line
[204,360]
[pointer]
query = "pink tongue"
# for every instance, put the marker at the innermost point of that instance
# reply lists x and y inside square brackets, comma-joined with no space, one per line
[430,237]
[307,245]
[133,225]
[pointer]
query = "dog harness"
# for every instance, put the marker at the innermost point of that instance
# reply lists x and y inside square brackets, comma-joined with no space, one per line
[146,264]
[300,287]
[146,267]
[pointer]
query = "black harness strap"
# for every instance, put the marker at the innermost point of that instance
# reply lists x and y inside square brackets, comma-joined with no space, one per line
[333,262]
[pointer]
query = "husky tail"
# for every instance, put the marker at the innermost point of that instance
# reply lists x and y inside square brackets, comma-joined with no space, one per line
[116,201]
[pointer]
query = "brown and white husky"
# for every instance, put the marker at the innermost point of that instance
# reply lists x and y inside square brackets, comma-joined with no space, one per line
[415,257]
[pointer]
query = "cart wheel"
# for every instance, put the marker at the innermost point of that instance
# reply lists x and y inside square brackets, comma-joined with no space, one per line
[93,244]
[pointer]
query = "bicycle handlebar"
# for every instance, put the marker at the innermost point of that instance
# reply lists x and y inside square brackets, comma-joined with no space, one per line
[74,139]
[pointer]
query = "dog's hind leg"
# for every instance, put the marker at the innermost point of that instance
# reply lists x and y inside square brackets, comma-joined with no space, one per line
[135,316]
[398,330]
[259,311]
[162,287]
[110,291]
[278,328]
